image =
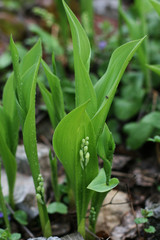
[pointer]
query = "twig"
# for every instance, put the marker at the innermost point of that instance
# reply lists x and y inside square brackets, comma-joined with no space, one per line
[46,141]
[92,233]
[120,174]
[132,208]
[24,228]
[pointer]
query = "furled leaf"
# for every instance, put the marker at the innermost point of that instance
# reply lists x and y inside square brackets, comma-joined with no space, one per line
[10,108]
[99,183]
[57,96]
[47,97]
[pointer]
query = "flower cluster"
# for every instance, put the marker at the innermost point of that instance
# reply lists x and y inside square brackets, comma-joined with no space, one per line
[92,216]
[84,154]
[40,189]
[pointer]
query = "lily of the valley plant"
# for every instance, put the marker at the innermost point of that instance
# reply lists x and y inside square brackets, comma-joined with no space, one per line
[80,136]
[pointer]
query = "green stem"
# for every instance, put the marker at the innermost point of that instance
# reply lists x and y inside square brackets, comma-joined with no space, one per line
[82,212]
[11,199]
[54,177]
[44,219]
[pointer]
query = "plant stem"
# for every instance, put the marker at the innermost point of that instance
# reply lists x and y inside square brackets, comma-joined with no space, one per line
[44,219]
[54,177]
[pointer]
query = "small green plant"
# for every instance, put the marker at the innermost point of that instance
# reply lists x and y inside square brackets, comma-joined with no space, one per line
[82,134]
[6,235]
[146,214]
[9,128]
[139,78]
[24,81]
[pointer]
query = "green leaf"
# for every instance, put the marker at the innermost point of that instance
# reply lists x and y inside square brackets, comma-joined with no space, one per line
[8,161]
[156,6]
[47,97]
[16,68]
[82,52]
[151,229]
[155,139]
[154,68]
[68,136]
[139,132]
[10,108]
[126,109]
[108,84]
[31,57]
[21,217]
[57,96]
[57,207]
[141,220]
[29,129]
[99,183]
[103,147]
[80,40]
[15,236]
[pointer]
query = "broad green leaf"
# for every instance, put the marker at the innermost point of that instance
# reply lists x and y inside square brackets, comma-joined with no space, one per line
[154,68]
[156,6]
[82,52]
[99,118]
[57,207]
[108,84]
[68,136]
[29,129]
[57,95]
[31,57]
[139,132]
[99,183]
